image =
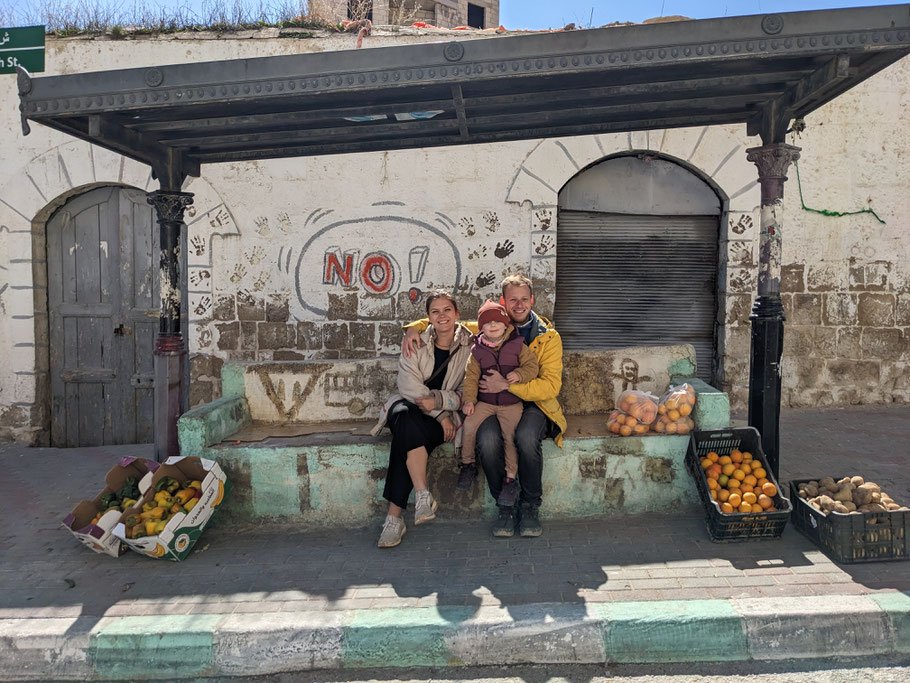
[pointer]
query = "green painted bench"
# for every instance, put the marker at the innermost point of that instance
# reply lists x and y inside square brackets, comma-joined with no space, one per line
[294,439]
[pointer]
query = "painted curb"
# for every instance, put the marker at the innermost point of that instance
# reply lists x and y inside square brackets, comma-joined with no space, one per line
[180,646]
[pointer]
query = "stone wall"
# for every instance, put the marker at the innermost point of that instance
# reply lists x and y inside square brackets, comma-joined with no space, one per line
[325,258]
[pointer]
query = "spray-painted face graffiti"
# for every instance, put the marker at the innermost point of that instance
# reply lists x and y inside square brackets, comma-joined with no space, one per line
[378,256]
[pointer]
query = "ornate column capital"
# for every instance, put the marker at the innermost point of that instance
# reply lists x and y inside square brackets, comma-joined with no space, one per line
[170,205]
[773,160]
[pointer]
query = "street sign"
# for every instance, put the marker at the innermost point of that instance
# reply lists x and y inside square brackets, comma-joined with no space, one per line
[23,47]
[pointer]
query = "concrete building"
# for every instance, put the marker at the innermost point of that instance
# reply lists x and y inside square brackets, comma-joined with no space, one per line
[323,258]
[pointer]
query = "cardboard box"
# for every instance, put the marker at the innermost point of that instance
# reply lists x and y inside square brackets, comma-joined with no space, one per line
[184,529]
[99,536]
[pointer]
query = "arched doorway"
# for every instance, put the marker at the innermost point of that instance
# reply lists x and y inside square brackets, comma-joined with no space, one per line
[103,314]
[638,258]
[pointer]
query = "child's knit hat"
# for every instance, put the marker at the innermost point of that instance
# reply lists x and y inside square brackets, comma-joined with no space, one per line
[492,311]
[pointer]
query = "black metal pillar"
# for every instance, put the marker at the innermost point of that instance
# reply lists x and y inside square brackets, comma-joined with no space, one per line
[767,316]
[170,349]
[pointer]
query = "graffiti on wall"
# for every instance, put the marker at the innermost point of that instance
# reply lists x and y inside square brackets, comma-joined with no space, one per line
[379,255]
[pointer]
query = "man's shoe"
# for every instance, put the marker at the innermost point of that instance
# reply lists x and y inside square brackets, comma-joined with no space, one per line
[529,524]
[466,476]
[424,507]
[504,526]
[509,493]
[392,531]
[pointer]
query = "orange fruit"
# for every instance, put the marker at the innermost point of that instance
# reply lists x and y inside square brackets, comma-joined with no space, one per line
[671,428]
[747,456]
[735,500]
[631,421]
[705,463]
[736,456]
[746,488]
[759,473]
[733,483]
[728,469]
[724,494]
[745,467]
[724,460]
[683,428]
[726,508]
[738,474]
[685,410]
[745,507]
[750,480]
[640,429]
[749,497]
[723,479]
[761,482]
[625,430]
[765,501]
[714,471]
[712,484]
[673,415]
[712,456]
[662,409]
[714,495]
[660,427]
[769,489]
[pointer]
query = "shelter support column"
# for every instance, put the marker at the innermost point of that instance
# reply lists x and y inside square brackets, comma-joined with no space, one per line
[170,349]
[767,315]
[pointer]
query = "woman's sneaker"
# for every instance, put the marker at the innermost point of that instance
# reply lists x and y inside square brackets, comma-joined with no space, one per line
[424,507]
[466,476]
[509,493]
[392,531]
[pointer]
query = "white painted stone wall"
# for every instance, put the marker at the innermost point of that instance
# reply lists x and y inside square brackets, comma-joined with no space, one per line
[288,259]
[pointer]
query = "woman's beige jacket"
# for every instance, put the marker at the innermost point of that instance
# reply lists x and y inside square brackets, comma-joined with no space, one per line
[413,372]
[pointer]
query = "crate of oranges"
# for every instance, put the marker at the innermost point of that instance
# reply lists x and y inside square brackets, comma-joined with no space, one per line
[742,499]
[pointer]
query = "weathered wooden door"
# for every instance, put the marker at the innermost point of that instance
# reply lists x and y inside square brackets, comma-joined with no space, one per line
[103,306]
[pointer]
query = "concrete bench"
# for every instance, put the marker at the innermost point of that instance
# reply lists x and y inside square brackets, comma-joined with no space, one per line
[294,439]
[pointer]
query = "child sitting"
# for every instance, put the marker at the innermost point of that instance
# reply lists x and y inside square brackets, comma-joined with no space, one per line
[498,347]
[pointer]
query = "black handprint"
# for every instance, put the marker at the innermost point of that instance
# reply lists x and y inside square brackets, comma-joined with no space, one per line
[485,279]
[203,306]
[544,246]
[198,245]
[503,249]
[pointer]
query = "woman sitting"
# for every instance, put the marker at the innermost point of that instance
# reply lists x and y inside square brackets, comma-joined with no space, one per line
[424,413]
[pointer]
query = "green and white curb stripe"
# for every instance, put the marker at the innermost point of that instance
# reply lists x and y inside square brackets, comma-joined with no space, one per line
[181,646]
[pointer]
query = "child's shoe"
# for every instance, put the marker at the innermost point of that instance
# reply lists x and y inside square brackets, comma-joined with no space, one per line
[466,476]
[509,493]
[424,507]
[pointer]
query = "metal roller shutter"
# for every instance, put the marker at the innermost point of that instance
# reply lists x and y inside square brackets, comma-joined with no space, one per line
[631,280]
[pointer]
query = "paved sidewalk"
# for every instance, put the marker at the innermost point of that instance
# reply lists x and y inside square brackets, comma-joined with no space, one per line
[251,601]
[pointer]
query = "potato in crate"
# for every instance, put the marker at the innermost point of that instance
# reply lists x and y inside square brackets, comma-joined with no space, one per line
[848,521]
[742,499]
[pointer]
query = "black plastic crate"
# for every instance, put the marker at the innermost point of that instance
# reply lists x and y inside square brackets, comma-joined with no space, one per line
[864,537]
[736,526]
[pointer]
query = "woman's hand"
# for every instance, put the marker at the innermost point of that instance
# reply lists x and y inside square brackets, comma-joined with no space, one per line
[448,429]
[426,404]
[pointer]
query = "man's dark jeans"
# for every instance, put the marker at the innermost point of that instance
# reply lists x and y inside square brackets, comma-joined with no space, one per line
[533,428]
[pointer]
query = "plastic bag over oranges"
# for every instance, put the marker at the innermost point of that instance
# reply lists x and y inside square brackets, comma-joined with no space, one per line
[674,411]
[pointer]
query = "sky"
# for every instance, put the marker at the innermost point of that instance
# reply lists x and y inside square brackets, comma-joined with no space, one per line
[542,14]
[530,14]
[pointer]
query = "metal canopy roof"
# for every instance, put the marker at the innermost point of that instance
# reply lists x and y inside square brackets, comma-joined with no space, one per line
[761,70]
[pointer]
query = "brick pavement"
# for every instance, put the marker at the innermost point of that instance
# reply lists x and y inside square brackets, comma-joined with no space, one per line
[577,564]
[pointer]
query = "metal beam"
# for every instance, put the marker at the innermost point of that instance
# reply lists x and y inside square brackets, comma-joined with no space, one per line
[458,99]
[122,139]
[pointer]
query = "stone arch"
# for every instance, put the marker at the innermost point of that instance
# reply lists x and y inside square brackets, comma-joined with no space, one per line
[27,200]
[716,154]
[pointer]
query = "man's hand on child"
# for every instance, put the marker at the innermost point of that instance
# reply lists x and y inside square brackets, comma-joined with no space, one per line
[410,342]
[468,409]
[513,377]
[493,382]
